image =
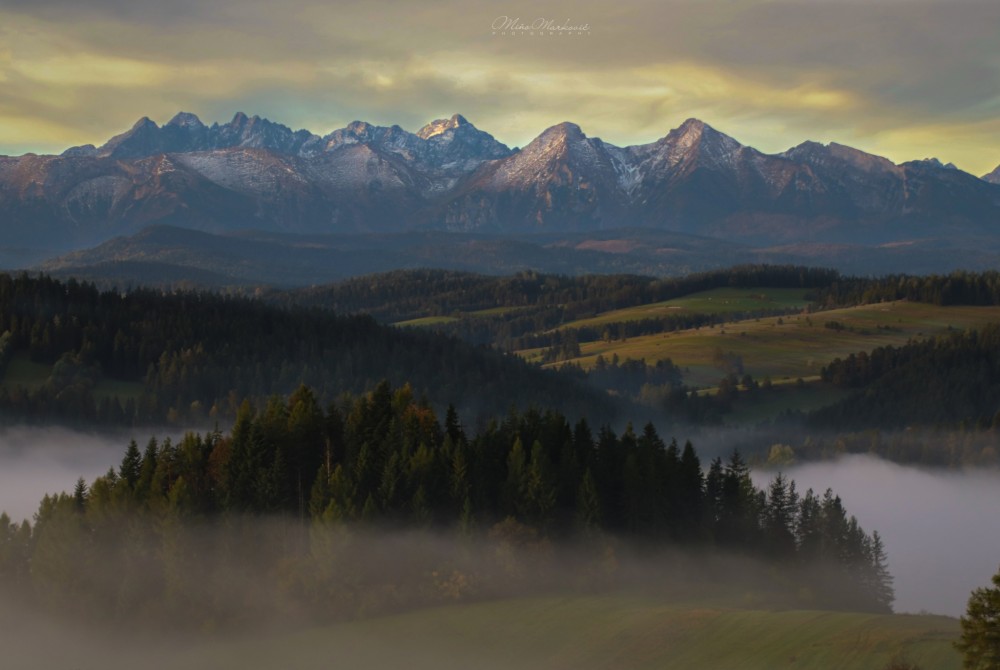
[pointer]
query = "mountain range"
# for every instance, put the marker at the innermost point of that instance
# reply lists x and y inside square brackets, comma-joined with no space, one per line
[252,174]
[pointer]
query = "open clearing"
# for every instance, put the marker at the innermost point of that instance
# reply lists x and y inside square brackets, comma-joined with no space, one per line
[715,301]
[24,373]
[789,347]
[425,321]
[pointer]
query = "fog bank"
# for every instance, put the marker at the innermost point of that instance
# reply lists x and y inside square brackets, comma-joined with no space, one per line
[36,461]
[941,528]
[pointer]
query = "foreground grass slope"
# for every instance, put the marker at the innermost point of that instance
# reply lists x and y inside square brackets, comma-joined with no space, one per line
[603,632]
[622,632]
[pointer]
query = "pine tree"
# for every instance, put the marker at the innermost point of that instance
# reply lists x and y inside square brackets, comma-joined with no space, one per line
[881,587]
[540,492]
[80,494]
[779,517]
[588,503]
[980,641]
[131,465]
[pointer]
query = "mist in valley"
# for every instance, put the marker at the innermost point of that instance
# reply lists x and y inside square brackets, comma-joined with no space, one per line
[940,530]
[35,461]
[941,527]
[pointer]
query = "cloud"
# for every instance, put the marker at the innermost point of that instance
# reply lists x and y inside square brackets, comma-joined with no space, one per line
[771,73]
[941,543]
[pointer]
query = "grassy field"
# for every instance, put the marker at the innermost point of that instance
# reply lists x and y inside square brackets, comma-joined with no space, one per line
[602,632]
[495,311]
[21,371]
[24,373]
[715,301]
[426,321]
[785,348]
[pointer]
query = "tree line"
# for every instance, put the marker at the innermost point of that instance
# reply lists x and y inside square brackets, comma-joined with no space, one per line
[384,460]
[521,307]
[947,381]
[961,287]
[147,356]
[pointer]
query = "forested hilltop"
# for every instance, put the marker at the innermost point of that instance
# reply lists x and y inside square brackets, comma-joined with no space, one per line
[939,381]
[284,494]
[71,352]
[520,310]
[727,347]
[515,311]
[948,381]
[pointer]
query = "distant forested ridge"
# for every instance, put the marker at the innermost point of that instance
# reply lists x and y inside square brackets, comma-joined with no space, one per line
[524,310]
[957,288]
[525,305]
[943,381]
[147,356]
[383,460]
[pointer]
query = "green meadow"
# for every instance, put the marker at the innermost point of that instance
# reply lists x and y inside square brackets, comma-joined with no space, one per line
[786,348]
[715,301]
[22,372]
[620,632]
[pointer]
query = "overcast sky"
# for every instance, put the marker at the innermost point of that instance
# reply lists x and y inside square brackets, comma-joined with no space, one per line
[906,79]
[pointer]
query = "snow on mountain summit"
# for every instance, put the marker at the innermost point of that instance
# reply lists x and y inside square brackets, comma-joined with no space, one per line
[440,126]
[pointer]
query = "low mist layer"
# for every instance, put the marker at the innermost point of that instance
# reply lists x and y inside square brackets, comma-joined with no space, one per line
[940,527]
[35,461]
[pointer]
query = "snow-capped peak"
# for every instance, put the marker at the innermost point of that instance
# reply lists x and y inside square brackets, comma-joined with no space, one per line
[440,126]
[815,153]
[696,132]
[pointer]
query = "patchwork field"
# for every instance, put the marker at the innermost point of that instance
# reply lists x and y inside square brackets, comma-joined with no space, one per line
[789,347]
[716,301]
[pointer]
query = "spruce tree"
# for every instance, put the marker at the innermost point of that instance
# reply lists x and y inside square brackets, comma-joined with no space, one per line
[980,641]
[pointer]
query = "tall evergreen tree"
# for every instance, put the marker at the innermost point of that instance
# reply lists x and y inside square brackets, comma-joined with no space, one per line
[980,641]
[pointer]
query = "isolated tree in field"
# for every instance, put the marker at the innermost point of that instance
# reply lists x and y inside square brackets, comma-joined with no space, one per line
[980,641]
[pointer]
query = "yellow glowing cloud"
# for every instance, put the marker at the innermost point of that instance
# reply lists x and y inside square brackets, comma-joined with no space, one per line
[622,104]
[961,144]
[628,83]
[15,129]
[92,70]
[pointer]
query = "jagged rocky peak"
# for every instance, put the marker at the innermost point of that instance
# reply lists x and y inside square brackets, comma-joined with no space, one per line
[441,126]
[567,129]
[695,142]
[815,153]
[561,133]
[993,177]
[932,163]
[695,132]
[83,150]
[353,133]
[142,139]
[144,123]
[186,120]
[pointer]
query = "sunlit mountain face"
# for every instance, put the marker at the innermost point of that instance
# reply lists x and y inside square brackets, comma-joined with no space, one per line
[252,173]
